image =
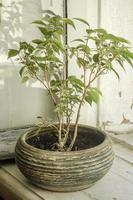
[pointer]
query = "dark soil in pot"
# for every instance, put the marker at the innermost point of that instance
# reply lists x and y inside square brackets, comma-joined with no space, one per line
[47,140]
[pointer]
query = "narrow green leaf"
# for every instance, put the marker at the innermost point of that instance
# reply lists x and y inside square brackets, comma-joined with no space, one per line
[78,40]
[69,21]
[116,73]
[37,41]
[128,60]
[38,22]
[115,38]
[39,117]
[121,39]
[89,31]
[72,77]
[127,53]
[12,53]
[121,64]
[100,30]
[84,48]
[82,20]
[81,62]
[39,58]
[110,37]
[22,70]
[49,12]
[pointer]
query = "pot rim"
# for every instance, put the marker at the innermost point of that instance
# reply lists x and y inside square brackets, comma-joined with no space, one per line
[90,150]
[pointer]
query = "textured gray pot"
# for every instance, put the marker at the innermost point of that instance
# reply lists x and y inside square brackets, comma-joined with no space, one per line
[65,171]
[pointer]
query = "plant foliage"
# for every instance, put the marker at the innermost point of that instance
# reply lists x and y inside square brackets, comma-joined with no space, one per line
[96,53]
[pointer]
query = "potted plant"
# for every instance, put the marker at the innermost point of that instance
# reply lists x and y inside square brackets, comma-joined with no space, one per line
[62,156]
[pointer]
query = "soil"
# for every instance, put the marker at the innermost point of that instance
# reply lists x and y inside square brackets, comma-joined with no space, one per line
[48,140]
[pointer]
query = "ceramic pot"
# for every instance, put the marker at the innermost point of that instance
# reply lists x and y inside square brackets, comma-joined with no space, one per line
[65,171]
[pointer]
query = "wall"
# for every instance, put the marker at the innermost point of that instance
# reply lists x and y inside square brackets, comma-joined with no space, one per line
[86,9]
[116,110]
[20,104]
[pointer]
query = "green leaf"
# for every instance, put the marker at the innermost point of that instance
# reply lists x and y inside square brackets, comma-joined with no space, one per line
[81,62]
[49,12]
[43,66]
[44,31]
[127,53]
[96,58]
[121,64]
[25,79]
[23,45]
[82,20]
[79,82]
[57,60]
[110,37]
[57,34]
[89,31]
[121,39]
[58,44]
[30,48]
[115,38]
[128,60]
[12,53]
[38,22]
[97,90]
[22,70]
[39,117]
[100,30]
[116,73]
[37,41]
[78,40]
[75,80]
[84,48]
[39,58]
[69,21]
[93,95]
[88,99]
[74,98]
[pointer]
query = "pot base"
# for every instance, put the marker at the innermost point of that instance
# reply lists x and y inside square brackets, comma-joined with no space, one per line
[64,189]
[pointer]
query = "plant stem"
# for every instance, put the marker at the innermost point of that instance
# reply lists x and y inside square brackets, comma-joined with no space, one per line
[59,133]
[76,122]
[80,106]
[67,131]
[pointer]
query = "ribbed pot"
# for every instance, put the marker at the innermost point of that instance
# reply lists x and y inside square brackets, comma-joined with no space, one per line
[65,171]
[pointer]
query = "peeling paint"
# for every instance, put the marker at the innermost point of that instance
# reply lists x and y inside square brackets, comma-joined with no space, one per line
[120,94]
[131,105]
[126,121]
[106,123]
